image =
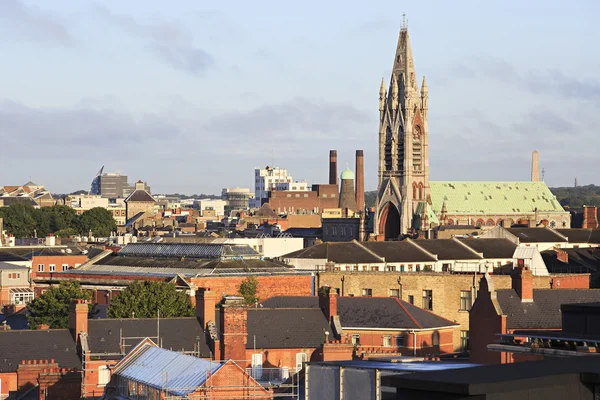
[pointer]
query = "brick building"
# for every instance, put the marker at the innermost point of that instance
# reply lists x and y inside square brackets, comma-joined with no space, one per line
[522,306]
[314,201]
[139,201]
[447,295]
[15,285]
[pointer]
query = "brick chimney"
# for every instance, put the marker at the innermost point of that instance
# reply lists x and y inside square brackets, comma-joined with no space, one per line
[562,255]
[328,301]
[78,318]
[360,180]
[522,283]
[333,167]
[233,330]
[590,217]
[206,301]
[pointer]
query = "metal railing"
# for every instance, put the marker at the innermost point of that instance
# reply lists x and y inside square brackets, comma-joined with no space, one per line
[270,376]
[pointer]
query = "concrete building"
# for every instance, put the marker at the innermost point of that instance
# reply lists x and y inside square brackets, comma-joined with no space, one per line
[203,205]
[236,198]
[407,201]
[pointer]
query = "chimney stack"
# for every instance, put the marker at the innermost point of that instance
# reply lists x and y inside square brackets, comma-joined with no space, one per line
[233,329]
[328,302]
[78,318]
[522,283]
[360,180]
[590,217]
[535,167]
[333,176]
[206,301]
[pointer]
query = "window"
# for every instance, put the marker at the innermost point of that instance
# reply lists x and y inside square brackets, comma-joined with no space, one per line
[411,299]
[428,300]
[257,364]
[65,267]
[21,297]
[464,340]
[390,267]
[52,268]
[418,268]
[465,300]
[394,292]
[387,341]
[301,359]
[40,267]
[399,341]
[103,375]
[435,338]
[367,292]
[356,340]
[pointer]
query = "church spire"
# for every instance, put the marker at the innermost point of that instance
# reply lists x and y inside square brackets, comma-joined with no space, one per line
[424,89]
[403,62]
[382,94]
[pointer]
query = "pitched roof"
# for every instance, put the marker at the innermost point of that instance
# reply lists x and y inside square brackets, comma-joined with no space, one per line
[536,235]
[544,311]
[576,235]
[582,259]
[266,211]
[386,312]
[286,328]
[104,335]
[178,374]
[404,251]
[367,312]
[491,248]
[8,257]
[140,195]
[339,252]
[492,197]
[57,344]
[448,249]
[191,250]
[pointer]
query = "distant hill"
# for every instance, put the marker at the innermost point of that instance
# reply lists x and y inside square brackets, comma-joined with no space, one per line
[572,197]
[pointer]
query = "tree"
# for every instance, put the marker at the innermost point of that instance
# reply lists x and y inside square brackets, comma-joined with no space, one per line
[19,219]
[52,307]
[98,220]
[143,299]
[249,289]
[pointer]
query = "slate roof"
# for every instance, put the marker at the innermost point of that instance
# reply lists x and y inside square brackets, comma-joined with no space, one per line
[28,252]
[367,312]
[176,334]
[57,344]
[191,250]
[492,248]
[536,235]
[448,249]
[7,257]
[265,211]
[576,235]
[140,195]
[386,312]
[404,251]
[339,252]
[582,259]
[492,197]
[544,311]
[283,328]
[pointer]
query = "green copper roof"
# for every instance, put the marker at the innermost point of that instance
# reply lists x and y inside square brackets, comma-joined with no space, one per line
[493,197]
[433,219]
[347,174]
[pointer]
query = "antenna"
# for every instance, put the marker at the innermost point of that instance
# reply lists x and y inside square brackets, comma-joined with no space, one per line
[543,173]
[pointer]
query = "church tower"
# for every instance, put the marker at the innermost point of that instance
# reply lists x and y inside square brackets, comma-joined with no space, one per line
[403,189]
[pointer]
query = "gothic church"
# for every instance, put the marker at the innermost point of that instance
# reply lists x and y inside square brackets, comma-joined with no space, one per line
[408,202]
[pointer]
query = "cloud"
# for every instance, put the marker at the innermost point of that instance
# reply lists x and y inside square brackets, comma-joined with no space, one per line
[169,41]
[33,23]
[536,81]
[286,125]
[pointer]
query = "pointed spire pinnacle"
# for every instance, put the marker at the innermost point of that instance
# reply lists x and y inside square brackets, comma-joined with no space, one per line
[394,93]
[444,209]
[424,88]
[382,88]
[382,95]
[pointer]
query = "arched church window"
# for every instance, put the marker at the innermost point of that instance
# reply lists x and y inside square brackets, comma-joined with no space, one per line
[489,222]
[417,148]
[420,191]
[414,191]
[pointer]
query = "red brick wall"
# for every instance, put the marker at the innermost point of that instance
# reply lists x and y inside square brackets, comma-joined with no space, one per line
[279,358]
[9,383]
[581,281]
[424,341]
[268,286]
[484,326]
[58,261]
[233,332]
[232,382]
[91,386]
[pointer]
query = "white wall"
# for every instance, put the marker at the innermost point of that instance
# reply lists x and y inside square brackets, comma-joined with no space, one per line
[271,247]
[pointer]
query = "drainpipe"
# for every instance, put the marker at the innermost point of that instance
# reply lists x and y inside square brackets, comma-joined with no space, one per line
[414,343]
[312,274]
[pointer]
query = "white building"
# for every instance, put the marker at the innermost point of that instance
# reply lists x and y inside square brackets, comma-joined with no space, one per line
[211,204]
[274,178]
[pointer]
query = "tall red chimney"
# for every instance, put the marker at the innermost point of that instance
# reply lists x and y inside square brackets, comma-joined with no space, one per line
[333,176]
[590,217]
[360,180]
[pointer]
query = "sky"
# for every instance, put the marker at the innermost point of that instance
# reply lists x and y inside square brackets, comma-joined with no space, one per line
[191,96]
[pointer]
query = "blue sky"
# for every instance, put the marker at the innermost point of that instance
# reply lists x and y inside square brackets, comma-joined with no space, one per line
[192,96]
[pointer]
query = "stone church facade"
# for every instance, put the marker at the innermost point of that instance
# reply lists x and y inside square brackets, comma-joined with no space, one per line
[408,202]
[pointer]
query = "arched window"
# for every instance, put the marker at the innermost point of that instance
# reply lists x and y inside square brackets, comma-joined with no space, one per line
[414,185]
[435,338]
[420,191]
[489,222]
[499,222]
[417,145]
[450,221]
[479,223]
